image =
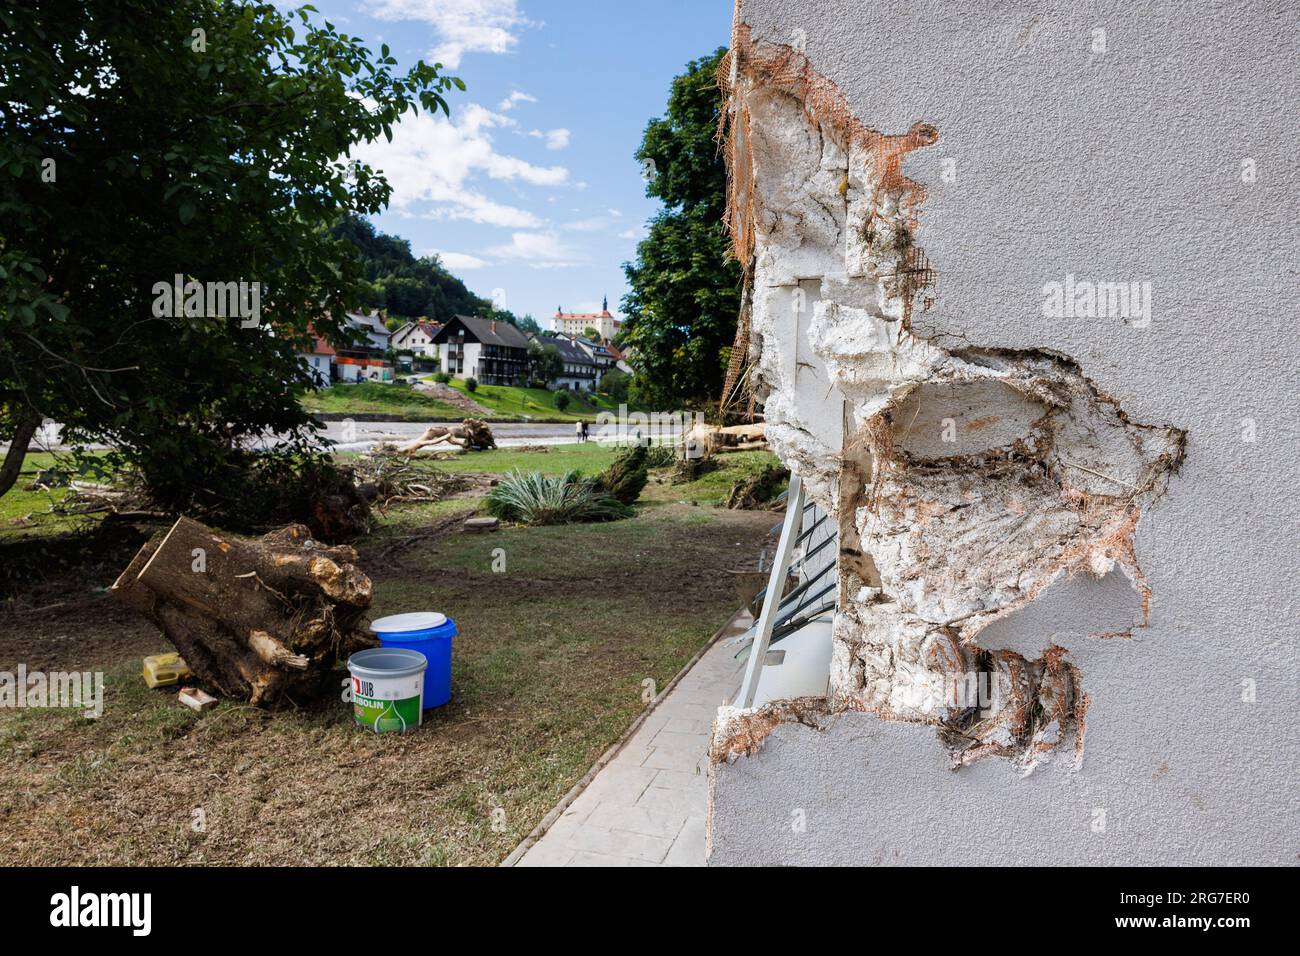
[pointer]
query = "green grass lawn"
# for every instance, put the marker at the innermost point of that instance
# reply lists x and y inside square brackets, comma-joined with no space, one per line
[554,651]
[27,513]
[590,458]
[713,488]
[501,401]
[587,457]
[509,402]
[379,398]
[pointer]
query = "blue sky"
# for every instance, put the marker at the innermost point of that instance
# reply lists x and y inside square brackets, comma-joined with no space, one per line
[530,192]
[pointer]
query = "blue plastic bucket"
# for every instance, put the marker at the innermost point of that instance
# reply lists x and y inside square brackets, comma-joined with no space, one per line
[429,633]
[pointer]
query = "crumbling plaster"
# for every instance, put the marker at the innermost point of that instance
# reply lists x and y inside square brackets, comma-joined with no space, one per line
[992,551]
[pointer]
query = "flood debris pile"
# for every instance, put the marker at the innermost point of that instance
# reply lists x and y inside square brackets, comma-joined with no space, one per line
[385,479]
[473,434]
[261,620]
[964,481]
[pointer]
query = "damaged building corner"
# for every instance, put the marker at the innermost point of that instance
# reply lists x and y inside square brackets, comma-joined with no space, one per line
[964,481]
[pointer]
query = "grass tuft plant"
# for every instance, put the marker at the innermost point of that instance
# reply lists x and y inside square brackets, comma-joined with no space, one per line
[536,499]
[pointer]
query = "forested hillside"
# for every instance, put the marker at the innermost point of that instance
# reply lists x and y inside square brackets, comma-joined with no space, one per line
[406,286]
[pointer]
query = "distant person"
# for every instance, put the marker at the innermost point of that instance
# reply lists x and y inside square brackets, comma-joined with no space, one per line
[582,428]
[577,430]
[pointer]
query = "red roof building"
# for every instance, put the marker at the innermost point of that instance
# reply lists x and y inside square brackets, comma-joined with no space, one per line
[577,323]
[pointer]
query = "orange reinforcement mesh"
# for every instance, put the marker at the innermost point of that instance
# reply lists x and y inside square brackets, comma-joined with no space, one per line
[749,65]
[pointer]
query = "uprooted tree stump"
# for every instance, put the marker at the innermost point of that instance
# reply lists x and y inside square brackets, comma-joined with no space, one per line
[757,490]
[472,434]
[687,470]
[261,620]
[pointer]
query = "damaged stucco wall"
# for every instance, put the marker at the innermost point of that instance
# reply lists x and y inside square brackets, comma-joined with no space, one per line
[1092,507]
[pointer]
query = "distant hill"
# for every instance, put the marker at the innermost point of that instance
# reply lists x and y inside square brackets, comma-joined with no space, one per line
[407,287]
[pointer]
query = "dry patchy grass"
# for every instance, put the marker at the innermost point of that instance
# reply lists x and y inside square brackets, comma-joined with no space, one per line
[547,673]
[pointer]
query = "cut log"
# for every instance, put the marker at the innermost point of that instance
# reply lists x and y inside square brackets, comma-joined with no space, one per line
[710,439]
[262,620]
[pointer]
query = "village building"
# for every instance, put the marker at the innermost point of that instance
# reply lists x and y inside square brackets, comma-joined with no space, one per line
[620,357]
[416,337]
[599,353]
[579,371]
[577,323]
[367,358]
[320,362]
[494,353]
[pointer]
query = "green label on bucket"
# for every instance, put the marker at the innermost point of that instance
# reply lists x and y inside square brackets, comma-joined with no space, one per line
[389,703]
[383,716]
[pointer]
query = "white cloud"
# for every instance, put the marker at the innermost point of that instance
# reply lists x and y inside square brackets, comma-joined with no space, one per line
[541,250]
[555,138]
[514,99]
[637,232]
[435,160]
[459,260]
[594,223]
[463,26]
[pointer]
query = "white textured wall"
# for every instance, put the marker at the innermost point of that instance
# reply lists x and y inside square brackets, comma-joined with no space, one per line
[1122,165]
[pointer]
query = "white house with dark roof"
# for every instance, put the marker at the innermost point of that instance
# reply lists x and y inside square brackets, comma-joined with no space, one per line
[495,353]
[579,372]
[600,354]
[371,326]
[416,337]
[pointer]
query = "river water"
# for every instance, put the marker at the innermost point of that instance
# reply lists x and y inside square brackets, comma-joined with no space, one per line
[352,436]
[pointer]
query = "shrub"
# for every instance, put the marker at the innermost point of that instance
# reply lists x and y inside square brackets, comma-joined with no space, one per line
[442,377]
[562,400]
[254,491]
[614,383]
[537,499]
[626,475]
[661,456]
[471,384]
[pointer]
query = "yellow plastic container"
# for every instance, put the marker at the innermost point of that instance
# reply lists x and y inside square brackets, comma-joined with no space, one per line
[163,670]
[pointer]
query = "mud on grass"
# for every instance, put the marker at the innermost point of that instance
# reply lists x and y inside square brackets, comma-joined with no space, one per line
[548,672]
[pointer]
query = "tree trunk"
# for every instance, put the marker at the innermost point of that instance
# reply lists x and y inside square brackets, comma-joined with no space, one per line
[26,427]
[262,620]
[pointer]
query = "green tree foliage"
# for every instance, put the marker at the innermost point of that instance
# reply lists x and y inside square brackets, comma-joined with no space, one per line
[685,289]
[201,138]
[544,363]
[614,383]
[406,286]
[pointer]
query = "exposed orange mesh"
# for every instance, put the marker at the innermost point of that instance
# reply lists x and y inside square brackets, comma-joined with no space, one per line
[787,69]
[731,392]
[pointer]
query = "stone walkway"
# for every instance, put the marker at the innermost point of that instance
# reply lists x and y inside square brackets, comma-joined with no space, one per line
[647,806]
